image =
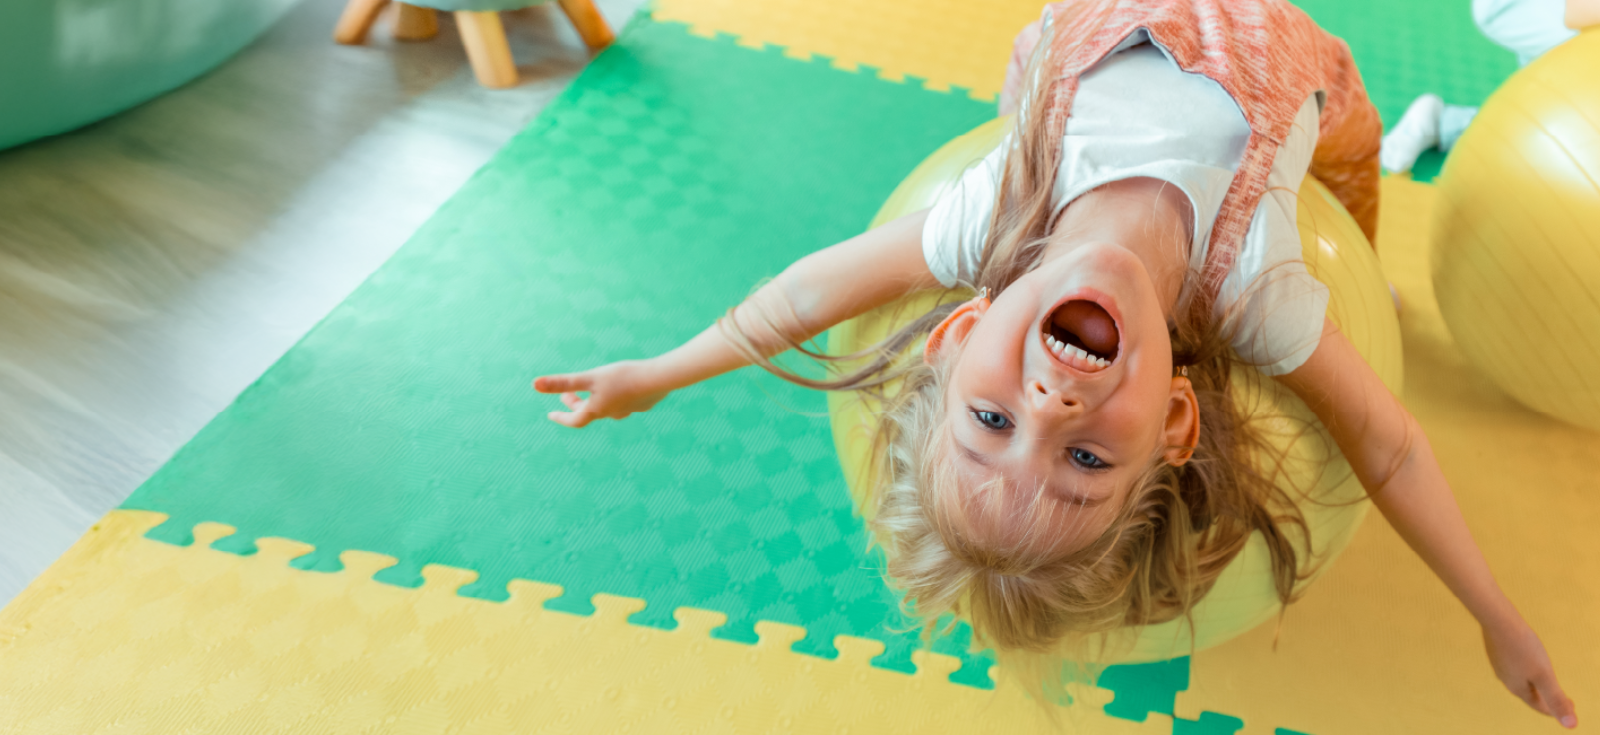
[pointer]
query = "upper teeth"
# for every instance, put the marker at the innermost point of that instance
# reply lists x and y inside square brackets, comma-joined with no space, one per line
[1065,350]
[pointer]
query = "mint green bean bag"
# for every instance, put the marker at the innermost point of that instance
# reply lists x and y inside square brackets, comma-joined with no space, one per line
[68,63]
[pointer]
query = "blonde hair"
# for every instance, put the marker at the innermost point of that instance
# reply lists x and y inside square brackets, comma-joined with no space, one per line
[1040,604]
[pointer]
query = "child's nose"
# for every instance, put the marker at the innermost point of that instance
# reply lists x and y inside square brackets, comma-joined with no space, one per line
[1054,400]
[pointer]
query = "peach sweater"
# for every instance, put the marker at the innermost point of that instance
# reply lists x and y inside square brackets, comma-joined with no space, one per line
[1269,56]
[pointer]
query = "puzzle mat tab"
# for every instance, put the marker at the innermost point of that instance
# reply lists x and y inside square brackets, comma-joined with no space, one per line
[130,635]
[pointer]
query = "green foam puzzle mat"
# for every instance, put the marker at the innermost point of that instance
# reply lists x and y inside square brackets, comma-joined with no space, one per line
[676,173]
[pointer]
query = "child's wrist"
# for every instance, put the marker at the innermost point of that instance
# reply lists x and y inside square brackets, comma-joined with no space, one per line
[1500,615]
[655,374]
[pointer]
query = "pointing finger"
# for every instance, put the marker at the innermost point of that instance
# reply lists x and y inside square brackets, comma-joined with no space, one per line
[560,383]
[573,419]
[1556,703]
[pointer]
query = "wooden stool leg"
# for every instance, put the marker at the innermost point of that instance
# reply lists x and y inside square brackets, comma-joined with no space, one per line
[485,40]
[412,23]
[356,20]
[591,24]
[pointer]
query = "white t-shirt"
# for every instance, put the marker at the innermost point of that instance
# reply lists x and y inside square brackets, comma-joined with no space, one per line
[1136,114]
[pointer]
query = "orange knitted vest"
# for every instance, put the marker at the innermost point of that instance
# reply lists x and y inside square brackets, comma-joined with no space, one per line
[1269,56]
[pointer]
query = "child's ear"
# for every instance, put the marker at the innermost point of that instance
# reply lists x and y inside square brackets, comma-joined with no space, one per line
[1183,422]
[955,327]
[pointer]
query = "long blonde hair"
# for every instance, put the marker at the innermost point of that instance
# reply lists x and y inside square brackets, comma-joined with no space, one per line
[1030,599]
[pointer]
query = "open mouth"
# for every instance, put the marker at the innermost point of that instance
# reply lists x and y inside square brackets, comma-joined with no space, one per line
[1082,334]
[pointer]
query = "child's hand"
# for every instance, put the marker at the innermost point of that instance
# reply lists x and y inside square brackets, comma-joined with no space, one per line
[617,390]
[1523,666]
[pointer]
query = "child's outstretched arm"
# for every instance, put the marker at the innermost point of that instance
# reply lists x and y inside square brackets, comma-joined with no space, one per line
[1392,458]
[815,293]
[1582,14]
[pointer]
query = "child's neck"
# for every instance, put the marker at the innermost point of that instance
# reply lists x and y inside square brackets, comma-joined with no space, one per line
[1149,217]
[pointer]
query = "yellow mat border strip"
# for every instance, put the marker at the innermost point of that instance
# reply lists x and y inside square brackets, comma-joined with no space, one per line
[950,45]
[127,634]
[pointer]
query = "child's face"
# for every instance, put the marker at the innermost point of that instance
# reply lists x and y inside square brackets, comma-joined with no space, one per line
[1039,415]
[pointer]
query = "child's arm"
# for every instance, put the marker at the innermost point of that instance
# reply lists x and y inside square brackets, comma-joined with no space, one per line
[815,293]
[1582,13]
[1392,458]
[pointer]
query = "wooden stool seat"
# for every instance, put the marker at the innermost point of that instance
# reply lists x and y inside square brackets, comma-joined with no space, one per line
[481,33]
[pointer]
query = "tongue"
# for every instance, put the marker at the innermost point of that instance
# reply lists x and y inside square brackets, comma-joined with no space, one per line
[1092,325]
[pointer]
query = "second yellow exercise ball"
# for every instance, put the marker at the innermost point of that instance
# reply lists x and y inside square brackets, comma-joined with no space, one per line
[1316,475]
[1516,235]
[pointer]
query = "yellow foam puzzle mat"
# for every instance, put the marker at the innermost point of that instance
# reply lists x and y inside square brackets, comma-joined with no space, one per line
[133,635]
[945,43]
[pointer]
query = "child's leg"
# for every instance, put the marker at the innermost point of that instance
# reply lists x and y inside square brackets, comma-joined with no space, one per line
[1453,121]
[1417,131]
[1428,123]
[1346,158]
[1016,72]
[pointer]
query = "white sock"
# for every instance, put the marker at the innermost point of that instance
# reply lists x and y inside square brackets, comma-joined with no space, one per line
[1417,131]
[1452,123]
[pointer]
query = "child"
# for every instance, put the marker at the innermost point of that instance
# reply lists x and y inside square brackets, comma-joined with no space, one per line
[1066,460]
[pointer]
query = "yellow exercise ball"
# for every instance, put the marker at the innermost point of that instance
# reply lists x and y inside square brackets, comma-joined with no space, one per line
[1331,499]
[1516,235]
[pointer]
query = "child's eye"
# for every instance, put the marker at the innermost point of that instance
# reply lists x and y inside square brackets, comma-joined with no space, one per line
[1087,459]
[992,420]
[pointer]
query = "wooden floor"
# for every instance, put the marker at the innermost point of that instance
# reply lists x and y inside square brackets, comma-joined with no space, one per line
[154,264]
